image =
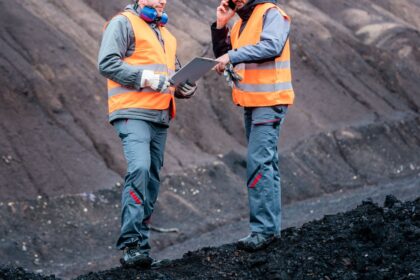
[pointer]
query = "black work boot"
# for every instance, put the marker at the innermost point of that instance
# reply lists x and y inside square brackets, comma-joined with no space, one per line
[134,257]
[156,264]
[255,241]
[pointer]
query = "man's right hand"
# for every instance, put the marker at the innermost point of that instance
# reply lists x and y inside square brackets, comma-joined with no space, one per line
[154,81]
[224,14]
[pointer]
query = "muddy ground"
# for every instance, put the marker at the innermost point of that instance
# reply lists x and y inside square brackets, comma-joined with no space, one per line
[369,242]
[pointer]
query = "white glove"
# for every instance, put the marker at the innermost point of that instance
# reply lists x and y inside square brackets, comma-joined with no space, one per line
[154,81]
[185,90]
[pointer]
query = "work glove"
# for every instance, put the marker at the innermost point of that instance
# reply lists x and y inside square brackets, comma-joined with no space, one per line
[230,75]
[154,81]
[185,90]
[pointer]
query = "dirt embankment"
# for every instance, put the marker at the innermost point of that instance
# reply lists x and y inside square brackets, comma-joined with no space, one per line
[369,242]
[201,199]
[355,122]
[354,65]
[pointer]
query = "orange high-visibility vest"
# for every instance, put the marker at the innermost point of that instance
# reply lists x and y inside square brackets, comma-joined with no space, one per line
[148,55]
[263,84]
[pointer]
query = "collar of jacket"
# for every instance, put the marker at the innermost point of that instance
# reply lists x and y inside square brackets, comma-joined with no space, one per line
[246,11]
[130,8]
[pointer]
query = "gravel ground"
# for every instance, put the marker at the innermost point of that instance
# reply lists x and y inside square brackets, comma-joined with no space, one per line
[369,242]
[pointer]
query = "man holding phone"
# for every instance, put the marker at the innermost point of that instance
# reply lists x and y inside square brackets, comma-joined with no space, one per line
[258,48]
[138,55]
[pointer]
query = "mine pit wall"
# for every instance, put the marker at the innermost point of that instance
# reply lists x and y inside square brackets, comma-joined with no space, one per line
[202,198]
[70,228]
[351,158]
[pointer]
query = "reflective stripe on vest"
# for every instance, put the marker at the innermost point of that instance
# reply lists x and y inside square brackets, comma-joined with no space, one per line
[148,55]
[263,84]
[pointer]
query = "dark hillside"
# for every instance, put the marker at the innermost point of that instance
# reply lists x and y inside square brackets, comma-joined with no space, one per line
[354,66]
[369,242]
[355,127]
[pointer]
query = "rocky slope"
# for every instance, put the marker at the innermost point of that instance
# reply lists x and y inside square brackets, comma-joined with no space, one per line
[354,65]
[72,235]
[355,122]
[369,242]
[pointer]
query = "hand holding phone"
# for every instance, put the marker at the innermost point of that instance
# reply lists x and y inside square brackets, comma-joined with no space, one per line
[231,5]
[224,13]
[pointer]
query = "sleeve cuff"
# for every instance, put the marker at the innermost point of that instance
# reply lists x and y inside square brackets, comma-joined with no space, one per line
[234,56]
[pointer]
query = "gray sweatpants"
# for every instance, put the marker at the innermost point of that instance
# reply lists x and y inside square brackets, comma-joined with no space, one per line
[262,127]
[144,145]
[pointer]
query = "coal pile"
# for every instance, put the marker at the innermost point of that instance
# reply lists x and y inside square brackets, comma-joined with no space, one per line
[369,242]
[9,273]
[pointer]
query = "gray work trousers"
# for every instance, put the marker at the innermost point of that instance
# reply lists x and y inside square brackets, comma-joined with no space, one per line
[144,144]
[262,127]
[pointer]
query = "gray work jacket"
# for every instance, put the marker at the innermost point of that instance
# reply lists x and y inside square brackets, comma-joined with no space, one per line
[118,42]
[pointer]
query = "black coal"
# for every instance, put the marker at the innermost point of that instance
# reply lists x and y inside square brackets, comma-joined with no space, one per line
[369,242]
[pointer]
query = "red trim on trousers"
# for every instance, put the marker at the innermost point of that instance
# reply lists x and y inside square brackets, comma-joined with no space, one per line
[135,197]
[256,180]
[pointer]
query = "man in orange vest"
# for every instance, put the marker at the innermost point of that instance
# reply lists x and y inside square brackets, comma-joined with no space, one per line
[258,48]
[138,55]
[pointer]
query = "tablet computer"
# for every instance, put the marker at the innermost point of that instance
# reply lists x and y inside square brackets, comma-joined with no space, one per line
[193,70]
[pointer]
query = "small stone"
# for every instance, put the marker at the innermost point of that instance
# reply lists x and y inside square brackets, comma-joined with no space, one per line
[7,159]
[390,200]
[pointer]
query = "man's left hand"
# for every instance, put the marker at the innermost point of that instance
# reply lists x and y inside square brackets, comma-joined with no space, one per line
[223,60]
[185,90]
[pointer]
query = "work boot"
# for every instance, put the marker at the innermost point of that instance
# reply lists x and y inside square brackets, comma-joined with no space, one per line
[134,257]
[255,241]
[156,264]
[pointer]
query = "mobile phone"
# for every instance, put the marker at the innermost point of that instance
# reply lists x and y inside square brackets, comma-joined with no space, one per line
[231,5]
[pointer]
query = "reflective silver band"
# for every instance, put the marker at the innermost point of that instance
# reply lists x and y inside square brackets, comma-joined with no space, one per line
[121,90]
[264,66]
[264,88]
[152,67]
